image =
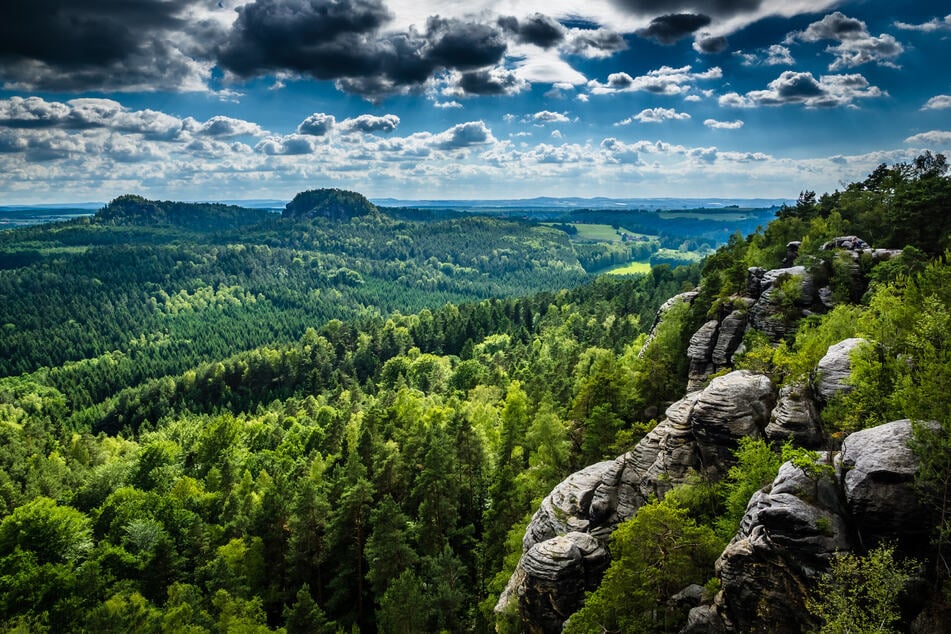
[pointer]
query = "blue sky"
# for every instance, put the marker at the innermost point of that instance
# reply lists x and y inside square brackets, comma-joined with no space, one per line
[207,100]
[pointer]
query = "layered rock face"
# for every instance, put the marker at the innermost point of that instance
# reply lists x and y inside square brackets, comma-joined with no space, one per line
[698,434]
[792,529]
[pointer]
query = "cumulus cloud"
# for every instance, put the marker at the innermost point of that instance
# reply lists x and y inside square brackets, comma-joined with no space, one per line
[723,125]
[593,43]
[938,102]
[495,81]
[371,123]
[932,25]
[655,115]
[663,81]
[463,136]
[792,87]
[856,46]
[317,124]
[933,138]
[546,116]
[291,144]
[706,43]
[668,29]
[220,126]
[87,113]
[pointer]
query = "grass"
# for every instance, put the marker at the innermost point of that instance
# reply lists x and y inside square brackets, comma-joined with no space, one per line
[631,268]
[598,233]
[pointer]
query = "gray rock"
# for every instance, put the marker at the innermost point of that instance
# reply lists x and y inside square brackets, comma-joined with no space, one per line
[689,597]
[754,281]
[767,314]
[703,341]
[795,417]
[852,243]
[731,407]
[835,367]
[699,352]
[729,337]
[704,619]
[794,527]
[878,473]
[568,507]
[561,570]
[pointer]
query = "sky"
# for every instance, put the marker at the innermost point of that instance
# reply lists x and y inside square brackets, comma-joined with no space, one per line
[452,99]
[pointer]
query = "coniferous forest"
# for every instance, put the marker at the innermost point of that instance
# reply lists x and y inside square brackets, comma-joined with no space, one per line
[343,419]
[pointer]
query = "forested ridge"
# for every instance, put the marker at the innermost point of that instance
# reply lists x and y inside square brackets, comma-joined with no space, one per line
[372,467]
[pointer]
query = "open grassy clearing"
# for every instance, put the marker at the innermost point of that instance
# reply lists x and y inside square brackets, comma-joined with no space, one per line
[631,268]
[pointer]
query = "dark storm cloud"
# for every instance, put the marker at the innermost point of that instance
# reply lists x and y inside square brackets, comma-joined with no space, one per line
[341,40]
[104,44]
[83,32]
[313,36]
[537,29]
[668,29]
[713,8]
[463,45]
[488,83]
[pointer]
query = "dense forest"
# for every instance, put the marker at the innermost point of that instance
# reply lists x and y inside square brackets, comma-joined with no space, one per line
[327,424]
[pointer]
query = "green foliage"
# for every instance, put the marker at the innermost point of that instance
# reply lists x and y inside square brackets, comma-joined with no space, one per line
[756,466]
[860,594]
[654,555]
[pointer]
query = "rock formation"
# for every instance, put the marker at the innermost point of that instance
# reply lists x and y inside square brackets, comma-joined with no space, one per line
[834,369]
[698,434]
[793,528]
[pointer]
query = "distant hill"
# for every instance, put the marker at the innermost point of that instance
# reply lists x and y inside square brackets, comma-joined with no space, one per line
[136,210]
[336,204]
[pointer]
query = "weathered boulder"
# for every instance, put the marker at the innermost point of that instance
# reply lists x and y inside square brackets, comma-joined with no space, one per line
[879,471]
[562,569]
[835,367]
[569,506]
[731,407]
[795,417]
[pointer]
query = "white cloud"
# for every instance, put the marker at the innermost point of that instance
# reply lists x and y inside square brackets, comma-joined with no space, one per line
[655,115]
[938,102]
[664,81]
[792,87]
[447,104]
[932,137]
[932,25]
[856,46]
[723,125]
[547,116]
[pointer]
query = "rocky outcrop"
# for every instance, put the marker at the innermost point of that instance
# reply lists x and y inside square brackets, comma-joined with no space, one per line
[562,570]
[834,369]
[793,528]
[850,243]
[728,338]
[686,297]
[795,418]
[698,434]
[774,313]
